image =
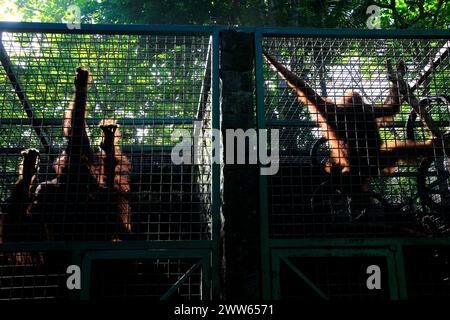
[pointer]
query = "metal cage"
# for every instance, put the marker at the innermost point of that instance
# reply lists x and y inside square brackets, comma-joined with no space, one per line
[154,84]
[317,241]
[156,80]
[305,201]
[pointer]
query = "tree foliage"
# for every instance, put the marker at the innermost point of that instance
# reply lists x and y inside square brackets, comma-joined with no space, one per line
[402,14]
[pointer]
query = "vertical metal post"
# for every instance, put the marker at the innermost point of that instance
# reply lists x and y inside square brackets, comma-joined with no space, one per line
[206,277]
[86,277]
[215,188]
[276,284]
[77,259]
[392,276]
[400,270]
[263,210]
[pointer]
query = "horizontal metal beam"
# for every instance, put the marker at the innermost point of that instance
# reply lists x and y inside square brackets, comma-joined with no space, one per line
[357,242]
[95,121]
[104,28]
[102,245]
[163,253]
[193,29]
[185,120]
[135,148]
[356,33]
[309,124]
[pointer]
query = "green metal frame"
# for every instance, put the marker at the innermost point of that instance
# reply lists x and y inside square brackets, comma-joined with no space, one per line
[216,197]
[283,255]
[277,251]
[263,206]
[83,253]
[190,29]
[94,121]
[391,248]
[203,262]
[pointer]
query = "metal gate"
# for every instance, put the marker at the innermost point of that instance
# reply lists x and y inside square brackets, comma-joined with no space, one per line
[316,241]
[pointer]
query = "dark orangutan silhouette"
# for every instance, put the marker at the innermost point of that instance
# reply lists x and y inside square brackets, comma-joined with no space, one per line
[88,198]
[17,205]
[115,172]
[16,224]
[350,125]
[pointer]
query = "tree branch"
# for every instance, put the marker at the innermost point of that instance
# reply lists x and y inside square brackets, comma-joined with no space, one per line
[411,99]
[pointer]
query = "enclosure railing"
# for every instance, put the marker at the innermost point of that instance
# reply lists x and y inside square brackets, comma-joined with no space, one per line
[319,232]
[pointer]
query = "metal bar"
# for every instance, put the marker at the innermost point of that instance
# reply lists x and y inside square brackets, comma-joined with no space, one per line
[355,33]
[202,104]
[400,271]
[149,254]
[311,124]
[215,188]
[275,277]
[105,28]
[86,268]
[189,29]
[305,278]
[20,92]
[162,121]
[286,122]
[77,259]
[206,85]
[206,278]
[134,148]
[93,245]
[356,242]
[263,205]
[95,121]
[13,152]
[334,252]
[179,282]
[392,276]
[144,149]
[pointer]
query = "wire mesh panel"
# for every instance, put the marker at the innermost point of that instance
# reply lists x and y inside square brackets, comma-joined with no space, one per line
[25,275]
[88,122]
[113,178]
[355,158]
